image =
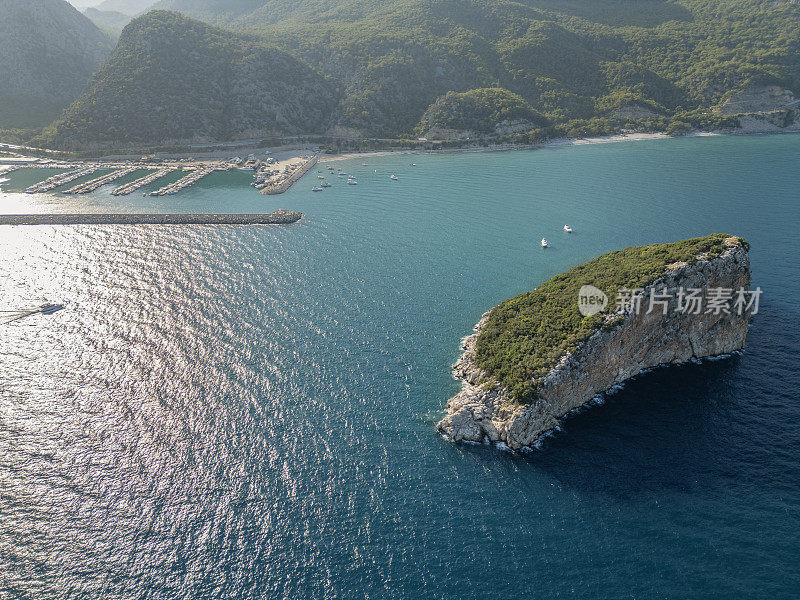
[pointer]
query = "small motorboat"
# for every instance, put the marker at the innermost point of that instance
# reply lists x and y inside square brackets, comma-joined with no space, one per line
[544,243]
[352,182]
[49,309]
[393,177]
[413,164]
[567,228]
[316,188]
[363,164]
[325,184]
[320,177]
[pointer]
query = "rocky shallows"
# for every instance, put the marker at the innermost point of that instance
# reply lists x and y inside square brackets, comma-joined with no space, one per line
[536,357]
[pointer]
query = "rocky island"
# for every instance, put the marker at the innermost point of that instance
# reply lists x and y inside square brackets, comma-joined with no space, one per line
[536,357]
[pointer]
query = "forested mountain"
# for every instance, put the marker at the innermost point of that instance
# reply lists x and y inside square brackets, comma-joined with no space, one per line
[110,22]
[48,52]
[126,7]
[172,78]
[219,12]
[582,66]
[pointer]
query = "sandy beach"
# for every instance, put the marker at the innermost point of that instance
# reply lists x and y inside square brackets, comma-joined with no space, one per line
[555,143]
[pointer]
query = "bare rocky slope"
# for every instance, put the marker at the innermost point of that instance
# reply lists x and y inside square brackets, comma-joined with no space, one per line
[485,411]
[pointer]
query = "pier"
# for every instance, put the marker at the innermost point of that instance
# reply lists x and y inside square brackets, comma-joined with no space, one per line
[281,186]
[131,187]
[184,182]
[90,186]
[55,181]
[279,217]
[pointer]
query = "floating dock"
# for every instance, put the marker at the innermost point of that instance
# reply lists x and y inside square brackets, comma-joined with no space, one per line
[55,181]
[184,182]
[90,186]
[131,187]
[279,217]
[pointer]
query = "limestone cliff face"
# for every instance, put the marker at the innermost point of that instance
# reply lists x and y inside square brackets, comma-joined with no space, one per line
[609,357]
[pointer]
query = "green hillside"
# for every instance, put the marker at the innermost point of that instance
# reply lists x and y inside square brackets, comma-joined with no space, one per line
[587,67]
[48,52]
[482,111]
[172,78]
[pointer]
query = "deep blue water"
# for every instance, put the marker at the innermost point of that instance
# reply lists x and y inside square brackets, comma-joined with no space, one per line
[248,412]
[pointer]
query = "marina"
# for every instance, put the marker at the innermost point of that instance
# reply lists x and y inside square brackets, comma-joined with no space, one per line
[184,182]
[271,174]
[92,185]
[55,181]
[131,187]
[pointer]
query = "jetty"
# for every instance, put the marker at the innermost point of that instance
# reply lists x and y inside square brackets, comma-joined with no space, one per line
[92,185]
[131,187]
[279,217]
[184,182]
[290,178]
[55,181]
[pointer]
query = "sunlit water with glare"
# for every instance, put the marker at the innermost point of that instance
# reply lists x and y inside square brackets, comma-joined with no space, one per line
[248,412]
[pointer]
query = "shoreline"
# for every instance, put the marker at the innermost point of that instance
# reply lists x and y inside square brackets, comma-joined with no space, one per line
[554,143]
[288,156]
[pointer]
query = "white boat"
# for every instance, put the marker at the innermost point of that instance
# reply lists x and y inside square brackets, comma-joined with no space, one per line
[316,188]
[567,228]
[413,164]
[325,184]
[393,176]
[352,182]
[544,243]
[363,164]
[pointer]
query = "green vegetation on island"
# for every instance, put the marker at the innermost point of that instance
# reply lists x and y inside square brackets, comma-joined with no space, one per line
[526,336]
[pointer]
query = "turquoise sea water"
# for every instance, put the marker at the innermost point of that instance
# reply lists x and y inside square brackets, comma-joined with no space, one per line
[248,412]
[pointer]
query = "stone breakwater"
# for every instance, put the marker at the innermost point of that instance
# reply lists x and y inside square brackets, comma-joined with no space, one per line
[279,217]
[296,175]
[609,357]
